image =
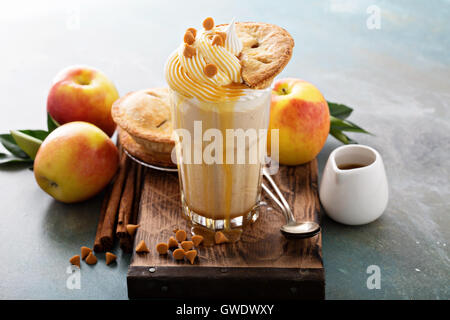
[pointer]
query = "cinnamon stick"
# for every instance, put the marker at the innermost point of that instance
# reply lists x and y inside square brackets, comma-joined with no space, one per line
[126,243]
[140,173]
[98,247]
[126,202]
[107,230]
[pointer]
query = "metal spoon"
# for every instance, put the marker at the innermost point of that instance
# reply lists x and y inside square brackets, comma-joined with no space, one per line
[292,228]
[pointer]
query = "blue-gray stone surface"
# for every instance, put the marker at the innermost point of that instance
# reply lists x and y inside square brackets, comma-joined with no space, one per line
[395,77]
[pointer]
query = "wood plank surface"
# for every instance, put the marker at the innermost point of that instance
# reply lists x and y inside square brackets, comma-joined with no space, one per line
[263,257]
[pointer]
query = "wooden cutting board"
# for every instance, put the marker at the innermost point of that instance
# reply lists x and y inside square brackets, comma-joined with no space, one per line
[262,265]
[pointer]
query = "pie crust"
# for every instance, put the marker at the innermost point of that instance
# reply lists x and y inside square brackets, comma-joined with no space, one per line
[138,151]
[267,48]
[145,126]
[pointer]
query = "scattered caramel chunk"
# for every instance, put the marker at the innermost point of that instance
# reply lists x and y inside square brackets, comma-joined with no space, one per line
[85,252]
[181,235]
[187,245]
[217,40]
[189,38]
[219,237]
[189,51]
[110,258]
[162,248]
[142,247]
[193,31]
[131,228]
[75,260]
[197,239]
[178,254]
[208,23]
[91,259]
[172,243]
[223,35]
[210,70]
[190,255]
[175,230]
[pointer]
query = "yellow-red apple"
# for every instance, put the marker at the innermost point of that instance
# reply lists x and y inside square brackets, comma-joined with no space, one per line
[301,114]
[81,93]
[75,162]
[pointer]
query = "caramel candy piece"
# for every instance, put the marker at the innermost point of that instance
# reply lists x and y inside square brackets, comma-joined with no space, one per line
[217,41]
[162,248]
[181,235]
[219,237]
[175,230]
[208,23]
[187,245]
[142,247]
[197,239]
[110,258]
[223,35]
[178,254]
[189,51]
[193,31]
[190,255]
[85,252]
[189,38]
[172,243]
[75,260]
[91,259]
[131,228]
[210,70]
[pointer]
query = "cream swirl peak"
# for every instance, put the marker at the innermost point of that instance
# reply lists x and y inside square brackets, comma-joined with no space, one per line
[232,42]
[206,65]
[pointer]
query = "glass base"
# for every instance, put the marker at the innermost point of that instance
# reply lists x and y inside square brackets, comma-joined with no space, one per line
[219,224]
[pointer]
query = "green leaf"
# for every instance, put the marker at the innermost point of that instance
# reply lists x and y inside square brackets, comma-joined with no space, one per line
[10,144]
[342,137]
[29,144]
[9,158]
[338,123]
[357,128]
[38,134]
[339,110]
[52,124]
[345,125]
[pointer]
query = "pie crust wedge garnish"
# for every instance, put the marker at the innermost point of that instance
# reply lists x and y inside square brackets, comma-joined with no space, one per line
[267,49]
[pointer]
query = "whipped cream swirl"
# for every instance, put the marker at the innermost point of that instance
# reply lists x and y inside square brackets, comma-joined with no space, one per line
[186,74]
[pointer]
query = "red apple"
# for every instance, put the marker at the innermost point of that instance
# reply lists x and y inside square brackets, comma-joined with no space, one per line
[301,114]
[75,162]
[81,93]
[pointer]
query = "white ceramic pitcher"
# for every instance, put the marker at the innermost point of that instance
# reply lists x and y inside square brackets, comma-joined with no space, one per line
[354,196]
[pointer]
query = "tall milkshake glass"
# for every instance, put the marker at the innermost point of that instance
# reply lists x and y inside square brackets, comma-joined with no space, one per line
[220,127]
[219,155]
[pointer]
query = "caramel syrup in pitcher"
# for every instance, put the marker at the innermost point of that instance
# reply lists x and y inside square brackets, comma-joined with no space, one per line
[349,166]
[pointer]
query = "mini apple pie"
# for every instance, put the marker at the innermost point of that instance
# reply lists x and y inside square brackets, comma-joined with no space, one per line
[145,126]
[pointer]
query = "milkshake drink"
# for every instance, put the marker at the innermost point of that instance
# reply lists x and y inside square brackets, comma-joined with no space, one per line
[221,128]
